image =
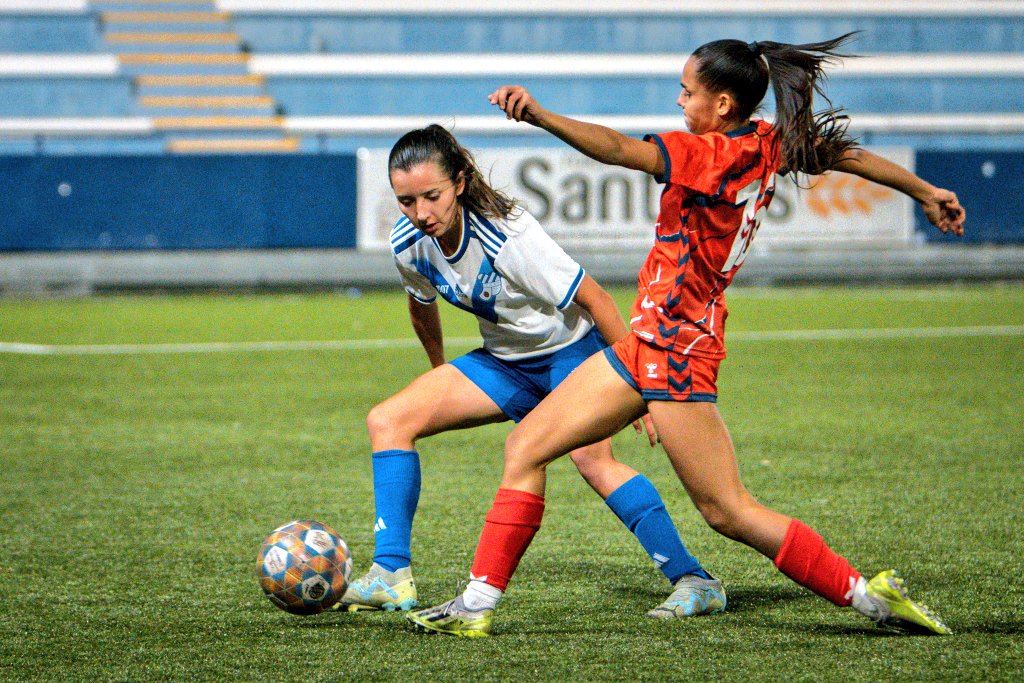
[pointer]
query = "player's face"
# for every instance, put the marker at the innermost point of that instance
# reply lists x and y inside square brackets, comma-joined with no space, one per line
[428,198]
[699,105]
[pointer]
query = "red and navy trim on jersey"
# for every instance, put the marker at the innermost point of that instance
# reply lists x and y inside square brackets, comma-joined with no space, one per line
[717,189]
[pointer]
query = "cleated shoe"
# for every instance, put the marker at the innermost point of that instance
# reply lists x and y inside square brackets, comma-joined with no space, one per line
[693,597]
[454,618]
[894,609]
[381,589]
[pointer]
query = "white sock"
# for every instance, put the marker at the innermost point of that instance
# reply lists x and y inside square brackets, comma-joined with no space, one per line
[479,595]
[862,603]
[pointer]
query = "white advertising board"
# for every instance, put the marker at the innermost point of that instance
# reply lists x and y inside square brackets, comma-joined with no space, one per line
[587,206]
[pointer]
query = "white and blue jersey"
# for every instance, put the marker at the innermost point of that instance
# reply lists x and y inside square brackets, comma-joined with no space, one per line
[508,272]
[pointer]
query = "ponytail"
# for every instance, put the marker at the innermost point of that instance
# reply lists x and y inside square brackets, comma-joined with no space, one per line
[806,142]
[810,143]
[437,144]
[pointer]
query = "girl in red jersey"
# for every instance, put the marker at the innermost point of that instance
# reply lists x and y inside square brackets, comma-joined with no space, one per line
[719,179]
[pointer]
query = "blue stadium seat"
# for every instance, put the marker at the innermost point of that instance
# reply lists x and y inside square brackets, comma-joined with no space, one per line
[329,95]
[64,33]
[63,96]
[620,34]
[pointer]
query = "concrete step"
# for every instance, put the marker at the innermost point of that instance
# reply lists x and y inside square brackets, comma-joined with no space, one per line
[212,47]
[232,145]
[164,38]
[153,5]
[218,122]
[168,107]
[185,64]
[186,91]
[200,81]
[130,20]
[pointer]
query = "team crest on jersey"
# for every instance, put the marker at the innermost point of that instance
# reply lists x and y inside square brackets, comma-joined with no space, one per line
[485,292]
[490,285]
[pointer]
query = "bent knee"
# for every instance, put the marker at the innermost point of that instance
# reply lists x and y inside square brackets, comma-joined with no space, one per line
[518,445]
[524,452]
[728,515]
[387,421]
[592,458]
[718,518]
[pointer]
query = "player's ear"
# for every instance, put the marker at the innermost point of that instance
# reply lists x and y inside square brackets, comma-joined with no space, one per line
[725,105]
[460,183]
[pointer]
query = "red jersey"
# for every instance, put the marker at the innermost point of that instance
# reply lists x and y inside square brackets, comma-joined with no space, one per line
[717,189]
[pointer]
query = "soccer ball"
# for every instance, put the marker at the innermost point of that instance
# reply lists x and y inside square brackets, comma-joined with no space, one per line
[304,567]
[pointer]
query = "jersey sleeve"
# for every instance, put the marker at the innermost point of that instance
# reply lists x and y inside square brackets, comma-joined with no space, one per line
[416,284]
[535,262]
[697,162]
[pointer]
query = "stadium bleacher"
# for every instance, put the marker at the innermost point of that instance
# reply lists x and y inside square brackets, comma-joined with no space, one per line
[216,75]
[177,78]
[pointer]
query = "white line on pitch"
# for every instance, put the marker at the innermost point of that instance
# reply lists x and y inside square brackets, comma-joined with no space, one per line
[222,347]
[878,333]
[406,343]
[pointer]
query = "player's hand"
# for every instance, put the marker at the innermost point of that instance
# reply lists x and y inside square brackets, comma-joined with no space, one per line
[516,102]
[943,210]
[647,423]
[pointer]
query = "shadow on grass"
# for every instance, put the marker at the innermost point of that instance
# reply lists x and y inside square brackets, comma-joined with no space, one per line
[742,599]
[1004,628]
[352,621]
[865,628]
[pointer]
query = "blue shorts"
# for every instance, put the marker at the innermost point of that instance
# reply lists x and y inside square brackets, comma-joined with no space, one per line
[517,386]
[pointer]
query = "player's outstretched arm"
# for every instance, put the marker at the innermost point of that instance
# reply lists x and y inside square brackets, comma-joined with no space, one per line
[941,207]
[597,142]
[426,322]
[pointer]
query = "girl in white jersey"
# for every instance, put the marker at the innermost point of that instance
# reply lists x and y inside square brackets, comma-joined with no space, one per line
[540,316]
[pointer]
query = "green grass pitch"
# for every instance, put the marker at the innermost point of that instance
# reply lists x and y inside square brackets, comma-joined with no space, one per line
[137,487]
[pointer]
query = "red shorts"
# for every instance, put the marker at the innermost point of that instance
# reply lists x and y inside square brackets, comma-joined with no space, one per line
[661,375]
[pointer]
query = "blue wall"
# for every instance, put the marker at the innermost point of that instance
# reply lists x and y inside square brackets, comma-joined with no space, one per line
[122,202]
[184,202]
[988,185]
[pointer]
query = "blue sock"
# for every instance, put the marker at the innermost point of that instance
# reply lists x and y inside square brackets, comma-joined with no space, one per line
[396,492]
[638,504]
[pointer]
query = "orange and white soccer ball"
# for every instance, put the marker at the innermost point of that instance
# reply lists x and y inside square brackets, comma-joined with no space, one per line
[304,567]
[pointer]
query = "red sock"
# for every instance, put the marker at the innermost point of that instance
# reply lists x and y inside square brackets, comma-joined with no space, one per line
[806,559]
[508,529]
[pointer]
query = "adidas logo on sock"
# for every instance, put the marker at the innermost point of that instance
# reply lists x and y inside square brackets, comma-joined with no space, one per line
[659,559]
[380,525]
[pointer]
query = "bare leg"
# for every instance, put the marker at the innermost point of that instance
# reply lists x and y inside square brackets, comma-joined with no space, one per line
[600,469]
[698,445]
[589,406]
[437,401]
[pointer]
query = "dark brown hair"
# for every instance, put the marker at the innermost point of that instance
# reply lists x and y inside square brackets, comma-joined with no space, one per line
[435,143]
[807,142]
